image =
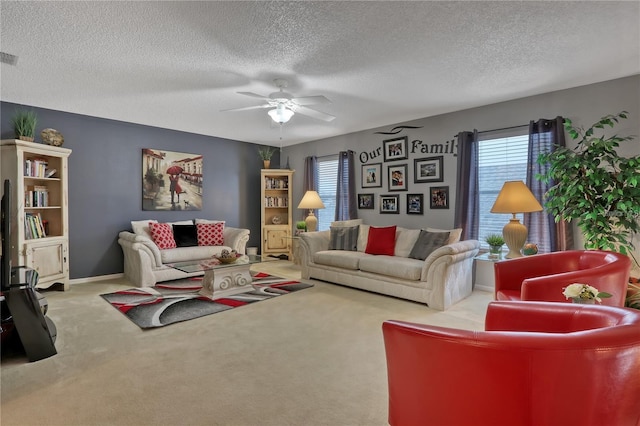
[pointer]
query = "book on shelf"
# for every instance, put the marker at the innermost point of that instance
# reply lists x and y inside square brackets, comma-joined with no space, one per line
[33,226]
[49,173]
[36,196]
[35,167]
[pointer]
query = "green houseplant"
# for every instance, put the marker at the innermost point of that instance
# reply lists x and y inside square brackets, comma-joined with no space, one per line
[595,186]
[24,125]
[265,153]
[495,242]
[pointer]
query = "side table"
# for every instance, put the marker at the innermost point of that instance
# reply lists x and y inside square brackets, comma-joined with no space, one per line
[484,277]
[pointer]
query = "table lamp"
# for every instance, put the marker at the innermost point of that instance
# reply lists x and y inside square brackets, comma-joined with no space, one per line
[515,197]
[311,201]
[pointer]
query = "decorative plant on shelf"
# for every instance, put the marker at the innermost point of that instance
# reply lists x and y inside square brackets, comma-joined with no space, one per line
[265,153]
[24,125]
[495,242]
[595,186]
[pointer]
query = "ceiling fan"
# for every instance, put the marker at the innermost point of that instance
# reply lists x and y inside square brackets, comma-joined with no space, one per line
[283,105]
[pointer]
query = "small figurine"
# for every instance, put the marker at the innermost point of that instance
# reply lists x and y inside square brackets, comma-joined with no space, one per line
[530,249]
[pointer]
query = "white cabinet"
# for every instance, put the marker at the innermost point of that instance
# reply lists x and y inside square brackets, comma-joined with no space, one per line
[39,220]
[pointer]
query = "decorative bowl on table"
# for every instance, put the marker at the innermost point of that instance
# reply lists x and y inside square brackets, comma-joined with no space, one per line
[227,256]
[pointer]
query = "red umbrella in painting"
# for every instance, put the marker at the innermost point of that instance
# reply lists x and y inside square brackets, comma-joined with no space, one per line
[174,170]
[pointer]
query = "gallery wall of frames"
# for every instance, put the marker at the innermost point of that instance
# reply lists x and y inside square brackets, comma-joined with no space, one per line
[426,171]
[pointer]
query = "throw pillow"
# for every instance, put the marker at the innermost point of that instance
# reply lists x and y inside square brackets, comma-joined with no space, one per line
[344,238]
[162,235]
[345,223]
[381,240]
[185,235]
[454,234]
[427,243]
[141,227]
[210,234]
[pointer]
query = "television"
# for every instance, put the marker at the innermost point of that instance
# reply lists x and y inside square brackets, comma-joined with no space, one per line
[5,228]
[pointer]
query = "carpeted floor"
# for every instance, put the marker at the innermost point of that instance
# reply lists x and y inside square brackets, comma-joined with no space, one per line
[176,301]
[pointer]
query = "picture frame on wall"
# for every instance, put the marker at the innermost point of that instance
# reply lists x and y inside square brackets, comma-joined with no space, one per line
[397,177]
[439,197]
[390,204]
[415,203]
[371,175]
[428,169]
[366,201]
[395,149]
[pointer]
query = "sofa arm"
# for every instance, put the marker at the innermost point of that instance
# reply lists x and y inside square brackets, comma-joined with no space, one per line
[141,258]
[236,238]
[131,241]
[449,270]
[311,243]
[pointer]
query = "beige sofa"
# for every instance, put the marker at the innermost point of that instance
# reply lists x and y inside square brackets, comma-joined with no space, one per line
[441,280]
[145,264]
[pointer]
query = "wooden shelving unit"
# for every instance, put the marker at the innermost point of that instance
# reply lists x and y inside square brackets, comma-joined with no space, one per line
[40,224]
[276,212]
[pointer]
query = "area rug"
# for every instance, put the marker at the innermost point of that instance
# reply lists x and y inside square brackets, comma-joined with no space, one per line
[175,301]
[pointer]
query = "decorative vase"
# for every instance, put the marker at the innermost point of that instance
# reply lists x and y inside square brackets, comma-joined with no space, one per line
[25,138]
[266,163]
[583,301]
[495,250]
[530,249]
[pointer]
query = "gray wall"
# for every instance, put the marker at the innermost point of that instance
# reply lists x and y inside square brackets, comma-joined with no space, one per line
[583,105]
[105,182]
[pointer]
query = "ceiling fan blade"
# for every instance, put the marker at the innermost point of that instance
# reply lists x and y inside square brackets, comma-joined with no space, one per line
[247,108]
[253,95]
[311,100]
[313,113]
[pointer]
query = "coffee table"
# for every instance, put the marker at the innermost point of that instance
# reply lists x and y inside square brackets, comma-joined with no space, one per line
[221,279]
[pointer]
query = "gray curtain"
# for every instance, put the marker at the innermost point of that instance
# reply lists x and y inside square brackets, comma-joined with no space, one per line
[346,203]
[310,179]
[544,136]
[467,210]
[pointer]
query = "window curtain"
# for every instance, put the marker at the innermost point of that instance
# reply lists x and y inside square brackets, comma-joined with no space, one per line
[310,179]
[346,207]
[544,136]
[467,210]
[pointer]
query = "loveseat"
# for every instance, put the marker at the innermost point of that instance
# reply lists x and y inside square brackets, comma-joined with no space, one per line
[429,266]
[146,263]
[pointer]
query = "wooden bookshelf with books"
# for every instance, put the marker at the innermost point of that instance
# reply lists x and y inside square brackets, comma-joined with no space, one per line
[40,237]
[276,212]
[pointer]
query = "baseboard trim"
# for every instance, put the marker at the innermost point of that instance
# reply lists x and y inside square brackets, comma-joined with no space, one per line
[95,279]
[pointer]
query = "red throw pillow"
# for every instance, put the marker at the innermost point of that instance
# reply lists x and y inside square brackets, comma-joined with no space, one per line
[381,240]
[210,234]
[162,235]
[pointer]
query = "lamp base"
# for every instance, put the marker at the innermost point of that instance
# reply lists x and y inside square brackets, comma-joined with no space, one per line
[312,222]
[515,235]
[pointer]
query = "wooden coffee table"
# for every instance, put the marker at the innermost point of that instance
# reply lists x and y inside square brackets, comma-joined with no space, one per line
[221,279]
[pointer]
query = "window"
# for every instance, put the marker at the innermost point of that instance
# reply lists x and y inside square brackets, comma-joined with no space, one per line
[327,188]
[499,159]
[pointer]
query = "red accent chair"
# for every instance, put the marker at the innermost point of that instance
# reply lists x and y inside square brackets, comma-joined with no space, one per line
[537,363]
[542,277]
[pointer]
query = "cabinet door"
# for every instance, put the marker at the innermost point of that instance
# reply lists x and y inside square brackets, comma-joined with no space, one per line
[49,258]
[277,240]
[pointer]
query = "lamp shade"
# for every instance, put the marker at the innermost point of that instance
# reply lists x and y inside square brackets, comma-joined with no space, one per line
[311,200]
[515,197]
[280,114]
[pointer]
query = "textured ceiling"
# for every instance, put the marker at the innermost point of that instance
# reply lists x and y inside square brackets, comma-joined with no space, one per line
[177,64]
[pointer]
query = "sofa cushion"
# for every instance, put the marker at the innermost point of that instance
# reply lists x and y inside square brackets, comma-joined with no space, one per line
[185,235]
[344,238]
[393,266]
[338,258]
[381,240]
[210,234]
[162,235]
[363,237]
[141,227]
[185,254]
[454,234]
[427,243]
[405,240]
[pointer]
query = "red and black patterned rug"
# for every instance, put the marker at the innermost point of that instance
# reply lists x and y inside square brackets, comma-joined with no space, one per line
[175,301]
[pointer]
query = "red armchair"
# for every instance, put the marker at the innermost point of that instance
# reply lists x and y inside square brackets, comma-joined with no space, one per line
[537,363]
[543,276]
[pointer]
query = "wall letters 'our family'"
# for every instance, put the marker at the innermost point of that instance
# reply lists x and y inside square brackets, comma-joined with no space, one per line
[417,146]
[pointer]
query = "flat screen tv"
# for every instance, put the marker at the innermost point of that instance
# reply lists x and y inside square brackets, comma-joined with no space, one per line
[5,228]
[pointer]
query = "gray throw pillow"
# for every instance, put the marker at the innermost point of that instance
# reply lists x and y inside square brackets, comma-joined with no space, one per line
[344,238]
[427,243]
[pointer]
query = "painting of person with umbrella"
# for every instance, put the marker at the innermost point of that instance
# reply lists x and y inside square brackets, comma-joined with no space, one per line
[174,185]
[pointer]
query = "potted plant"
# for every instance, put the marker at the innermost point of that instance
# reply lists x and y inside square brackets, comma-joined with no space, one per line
[265,153]
[595,186]
[301,226]
[495,242]
[24,125]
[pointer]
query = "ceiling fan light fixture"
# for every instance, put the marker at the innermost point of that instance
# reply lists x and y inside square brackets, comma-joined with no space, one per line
[280,114]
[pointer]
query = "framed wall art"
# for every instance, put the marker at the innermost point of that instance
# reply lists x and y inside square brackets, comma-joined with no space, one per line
[372,175]
[171,180]
[397,177]
[395,149]
[365,201]
[439,197]
[415,204]
[427,169]
[390,204]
